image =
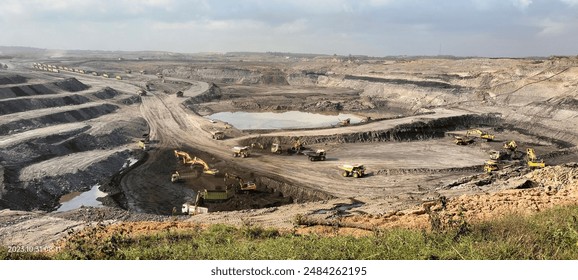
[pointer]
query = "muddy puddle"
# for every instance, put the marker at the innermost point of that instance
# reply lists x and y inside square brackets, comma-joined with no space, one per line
[75,200]
[284,120]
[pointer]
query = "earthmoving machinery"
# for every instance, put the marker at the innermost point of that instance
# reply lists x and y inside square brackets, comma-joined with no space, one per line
[490,165]
[345,122]
[241,151]
[499,155]
[511,148]
[482,134]
[143,143]
[218,135]
[296,147]
[243,186]
[459,140]
[317,155]
[353,170]
[194,208]
[192,161]
[533,160]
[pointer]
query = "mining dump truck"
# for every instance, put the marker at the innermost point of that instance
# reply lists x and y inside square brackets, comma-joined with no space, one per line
[241,151]
[352,170]
[194,208]
[191,209]
[317,155]
[218,135]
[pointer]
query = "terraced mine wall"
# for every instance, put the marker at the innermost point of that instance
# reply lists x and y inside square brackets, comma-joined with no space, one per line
[73,115]
[420,130]
[70,85]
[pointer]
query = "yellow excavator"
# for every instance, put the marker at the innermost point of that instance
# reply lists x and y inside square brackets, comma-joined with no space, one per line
[243,186]
[512,146]
[533,160]
[482,134]
[187,160]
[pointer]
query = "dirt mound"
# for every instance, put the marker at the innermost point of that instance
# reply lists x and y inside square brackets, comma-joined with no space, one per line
[12,79]
[69,85]
[106,93]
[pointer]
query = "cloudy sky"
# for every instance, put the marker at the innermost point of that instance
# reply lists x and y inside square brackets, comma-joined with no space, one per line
[371,27]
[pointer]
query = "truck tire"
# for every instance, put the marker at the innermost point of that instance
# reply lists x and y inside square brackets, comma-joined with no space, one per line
[311,159]
[322,158]
[355,175]
[345,174]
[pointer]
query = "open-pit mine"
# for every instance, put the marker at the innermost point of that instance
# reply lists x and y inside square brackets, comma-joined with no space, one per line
[262,139]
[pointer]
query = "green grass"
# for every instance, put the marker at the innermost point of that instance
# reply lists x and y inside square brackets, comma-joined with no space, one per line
[552,234]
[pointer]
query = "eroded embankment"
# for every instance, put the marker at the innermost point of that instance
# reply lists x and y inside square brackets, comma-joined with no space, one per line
[420,130]
[44,191]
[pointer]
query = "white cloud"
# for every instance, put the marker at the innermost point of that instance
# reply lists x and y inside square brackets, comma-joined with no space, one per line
[570,2]
[522,4]
[293,27]
[550,27]
[379,2]
[210,25]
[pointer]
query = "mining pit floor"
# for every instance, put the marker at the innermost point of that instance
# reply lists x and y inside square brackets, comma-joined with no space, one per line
[63,133]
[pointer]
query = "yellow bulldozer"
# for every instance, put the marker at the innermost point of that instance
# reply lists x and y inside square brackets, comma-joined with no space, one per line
[533,160]
[482,134]
[490,166]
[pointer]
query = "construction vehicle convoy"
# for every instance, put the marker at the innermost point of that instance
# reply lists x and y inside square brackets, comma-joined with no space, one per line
[353,170]
[482,134]
[317,155]
[241,151]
